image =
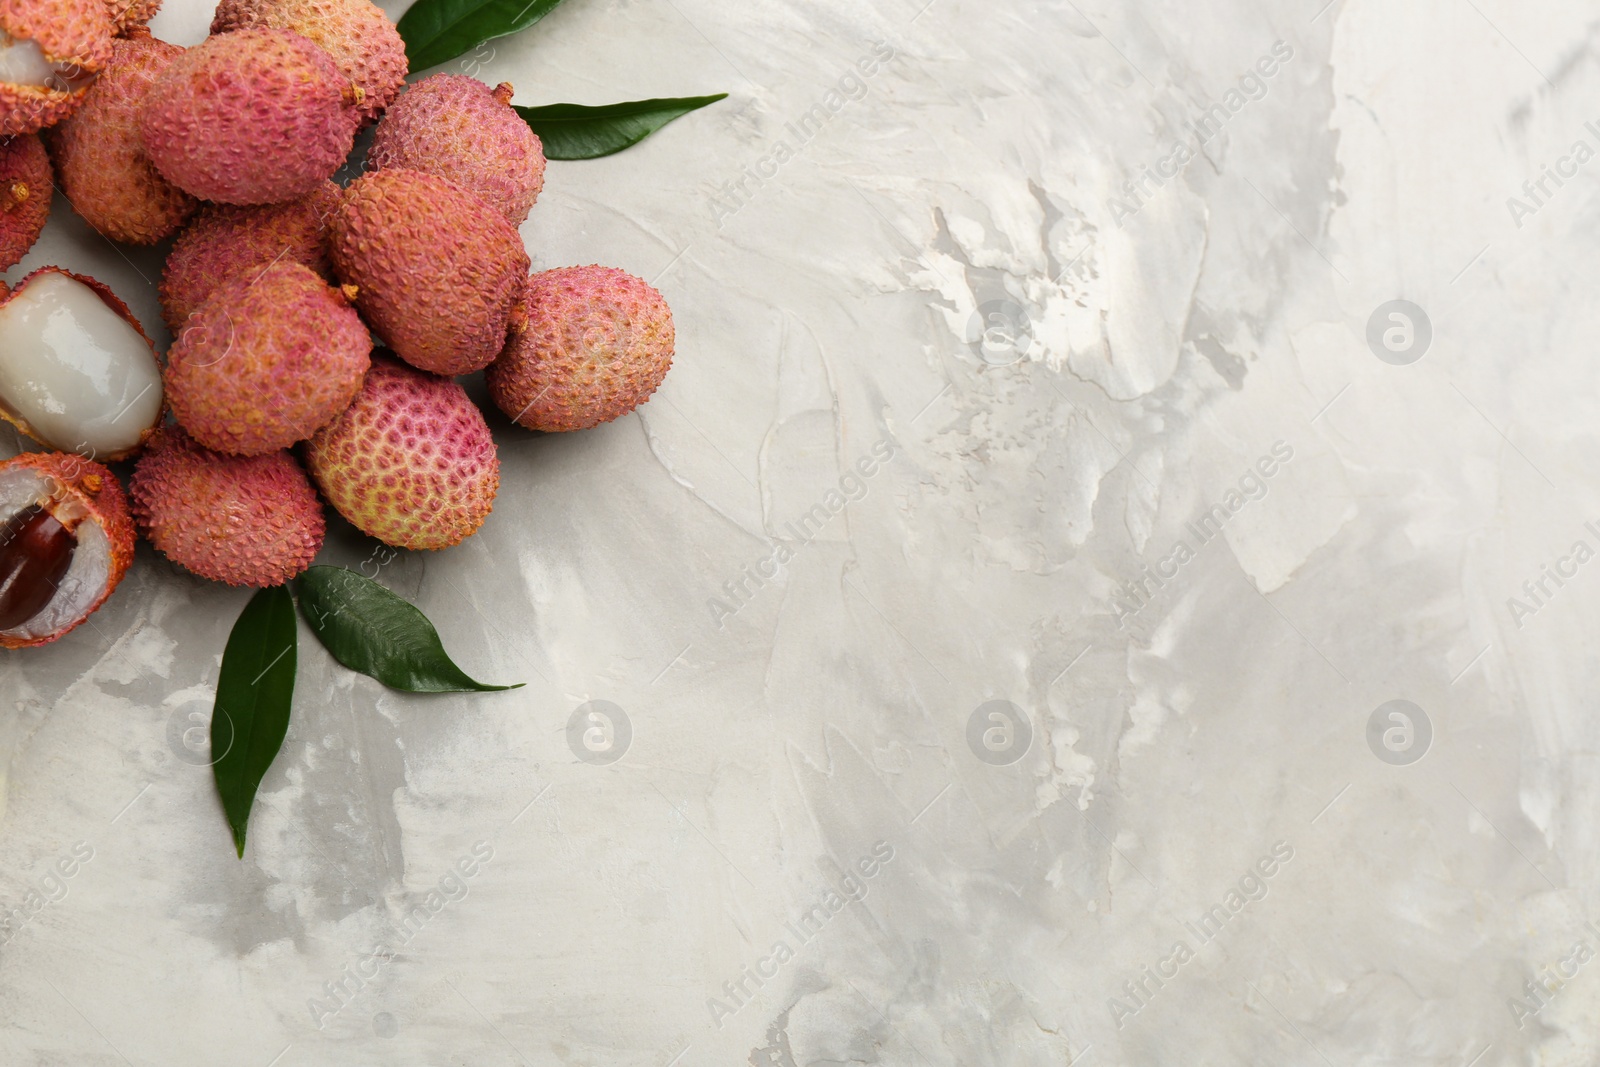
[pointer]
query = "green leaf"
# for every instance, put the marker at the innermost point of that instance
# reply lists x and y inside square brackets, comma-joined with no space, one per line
[369,629]
[573,131]
[254,692]
[437,31]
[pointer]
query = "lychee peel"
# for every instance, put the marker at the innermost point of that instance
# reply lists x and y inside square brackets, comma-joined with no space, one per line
[266,361]
[99,153]
[25,189]
[129,15]
[71,40]
[364,44]
[86,492]
[596,343]
[411,462]
[248,521]
[459,129]
[224,241]
[439,270]
[256,116]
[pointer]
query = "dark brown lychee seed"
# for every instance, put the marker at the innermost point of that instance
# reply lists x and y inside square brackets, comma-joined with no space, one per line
[35,555]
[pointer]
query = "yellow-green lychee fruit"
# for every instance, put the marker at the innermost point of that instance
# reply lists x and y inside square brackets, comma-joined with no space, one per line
[364,44]
[99,154]
[411,462]
[50,50]
[250,117]
[595,344]
[129,15]
[266,361]
[25,189]
[461,130]
[243,520]
[224,241]
[439,270]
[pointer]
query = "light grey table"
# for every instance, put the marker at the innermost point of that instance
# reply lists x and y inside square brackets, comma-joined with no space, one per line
[1093,673]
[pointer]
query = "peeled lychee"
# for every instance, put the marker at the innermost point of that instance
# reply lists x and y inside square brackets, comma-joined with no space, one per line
[50,50]
[65,542]
[459,129]
[267,361]
[127,15]
[77,372]
[411,462]
[25,189]
[597,342]
[364,44]
[225,241]
[100,157]
[252,521]
[438,269]
[250,117]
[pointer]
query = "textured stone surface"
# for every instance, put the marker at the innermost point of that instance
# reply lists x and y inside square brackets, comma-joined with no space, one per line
[829,239]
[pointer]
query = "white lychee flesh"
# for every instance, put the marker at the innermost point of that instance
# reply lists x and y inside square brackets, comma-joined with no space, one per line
[23,63]
[77,373]
[85,579]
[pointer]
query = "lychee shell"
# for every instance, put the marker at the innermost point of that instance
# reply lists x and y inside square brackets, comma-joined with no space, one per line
[255,116]
[266,361]
[364,44]
[251,521]
[94,489]
[25,189]
[99,154]
[596,343]
[459,129]
[223,241]
[411,462]
[73,34]
[438,269]
[130,14]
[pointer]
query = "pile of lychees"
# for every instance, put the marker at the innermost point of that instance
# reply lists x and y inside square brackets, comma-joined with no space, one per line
[272,397]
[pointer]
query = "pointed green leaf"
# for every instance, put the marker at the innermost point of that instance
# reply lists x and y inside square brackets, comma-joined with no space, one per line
[371,630]
[437,31]
[254,693]
[574,131]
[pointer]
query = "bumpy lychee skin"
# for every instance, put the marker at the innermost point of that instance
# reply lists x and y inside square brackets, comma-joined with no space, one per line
[364,44]
[597,342]
[251,521]
[225,241]
[59,46]
[25,189]
[129,15]
[100,157]
[89,502]
[459,129]
[439,270]
[411,462]
[250,117]
[267,361]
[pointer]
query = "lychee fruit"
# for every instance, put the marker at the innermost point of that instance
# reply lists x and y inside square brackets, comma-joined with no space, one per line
[439,270]
[364,44]
[66,539]
[100,157]
[243,520]
[250,117]
[266,361]
[225,241]
[77,372]
[127,15]
[596,343]
[458,129]
[50,50]
[411,462]
[25,189]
